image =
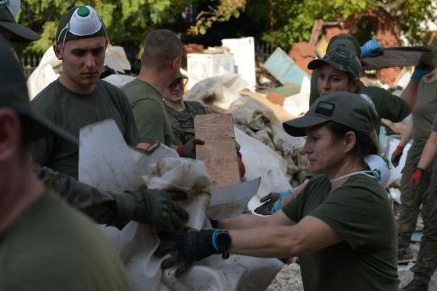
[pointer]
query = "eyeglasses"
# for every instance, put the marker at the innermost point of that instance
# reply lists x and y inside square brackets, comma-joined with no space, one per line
[178,83]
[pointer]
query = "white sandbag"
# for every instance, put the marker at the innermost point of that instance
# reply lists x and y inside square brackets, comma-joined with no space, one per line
[218,91]
[262,161]
[44,73]
[118,80]
[258,121]
[136,243]
[396,172]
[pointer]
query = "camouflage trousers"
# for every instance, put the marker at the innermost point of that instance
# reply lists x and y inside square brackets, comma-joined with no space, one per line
[425,194]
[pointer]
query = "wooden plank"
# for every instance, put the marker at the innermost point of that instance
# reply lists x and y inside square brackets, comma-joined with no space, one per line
[401,57]
[219,151]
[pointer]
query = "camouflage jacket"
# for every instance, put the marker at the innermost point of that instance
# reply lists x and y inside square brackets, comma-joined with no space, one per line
[182,122]
[105,208]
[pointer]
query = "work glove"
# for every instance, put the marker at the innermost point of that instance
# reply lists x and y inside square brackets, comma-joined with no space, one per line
[420,70]
[272,202]
[156,208]
[370,48]
[187,248]
[188,150]
[396,155]
[416,177]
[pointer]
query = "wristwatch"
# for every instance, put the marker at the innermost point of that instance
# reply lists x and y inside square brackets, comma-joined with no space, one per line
[222,242]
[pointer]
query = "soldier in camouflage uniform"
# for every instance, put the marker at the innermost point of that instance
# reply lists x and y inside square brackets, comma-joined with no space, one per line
[181,113]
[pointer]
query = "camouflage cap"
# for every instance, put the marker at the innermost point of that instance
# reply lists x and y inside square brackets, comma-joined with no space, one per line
[80,22]
[340,58]
[345,40]
[13,94]
[349,109]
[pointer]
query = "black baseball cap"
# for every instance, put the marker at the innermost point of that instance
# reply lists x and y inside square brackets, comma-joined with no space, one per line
[349,109]
[18,32]
[14,95]
[340,58]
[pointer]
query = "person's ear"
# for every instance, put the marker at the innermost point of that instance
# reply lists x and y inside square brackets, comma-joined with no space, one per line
[356,84]
[57,48]
[350,140]
[10,129]
[176,63]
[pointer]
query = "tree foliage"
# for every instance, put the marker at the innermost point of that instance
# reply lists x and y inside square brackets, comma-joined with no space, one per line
[127,21]
[292,20]
[223,11]
[286,21]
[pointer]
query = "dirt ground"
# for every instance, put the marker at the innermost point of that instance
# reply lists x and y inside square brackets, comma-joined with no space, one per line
[289,279]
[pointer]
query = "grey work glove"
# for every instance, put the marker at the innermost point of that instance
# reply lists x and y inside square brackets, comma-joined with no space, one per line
[156,208]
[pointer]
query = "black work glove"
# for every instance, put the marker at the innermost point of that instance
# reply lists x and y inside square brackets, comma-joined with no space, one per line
[396,155]
[268,202]
[156,208]
[188,150]
[192,246]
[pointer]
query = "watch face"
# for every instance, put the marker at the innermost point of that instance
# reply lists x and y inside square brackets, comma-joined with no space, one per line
[224,240]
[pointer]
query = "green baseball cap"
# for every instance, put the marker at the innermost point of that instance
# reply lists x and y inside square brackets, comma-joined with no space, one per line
[340,58]
[14,95]
[345,40]
[349,109]
[80,22]
[18,33]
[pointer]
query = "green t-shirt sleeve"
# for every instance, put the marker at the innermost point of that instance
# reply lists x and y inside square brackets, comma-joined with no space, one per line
[387,105]
[131,132]
[149,119]
[353,212]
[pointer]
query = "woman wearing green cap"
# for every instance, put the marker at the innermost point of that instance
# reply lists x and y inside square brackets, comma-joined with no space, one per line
[340,225]
[386,104]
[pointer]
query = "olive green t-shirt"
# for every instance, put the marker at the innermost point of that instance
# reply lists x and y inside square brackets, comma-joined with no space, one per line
[182,122]
[434,124]
[424,111]
[387,105]
[149,112]
[71,112]
[52,247]
[359,211]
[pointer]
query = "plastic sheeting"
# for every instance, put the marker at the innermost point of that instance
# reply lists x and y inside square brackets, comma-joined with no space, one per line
[136,243]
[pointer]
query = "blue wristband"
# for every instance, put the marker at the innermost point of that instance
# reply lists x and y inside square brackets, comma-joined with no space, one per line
[223,246]
[277,206]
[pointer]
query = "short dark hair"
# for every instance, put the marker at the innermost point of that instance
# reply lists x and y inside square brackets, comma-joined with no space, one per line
[351,78]
[364,145]
[161,47]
